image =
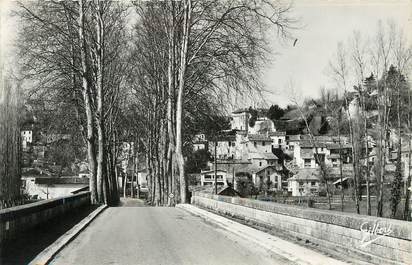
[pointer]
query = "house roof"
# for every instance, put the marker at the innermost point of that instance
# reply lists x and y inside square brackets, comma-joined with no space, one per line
[225,138]
[306,174]
[219,169]
[63,180]
[306,153]
[259,137]
[337,146]
[333,156]
[308,143]
[280,133]
[264,168]
[294,137]
[237,111]
[267,156]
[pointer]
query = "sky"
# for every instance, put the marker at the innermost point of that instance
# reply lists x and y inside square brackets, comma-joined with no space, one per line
[325,23]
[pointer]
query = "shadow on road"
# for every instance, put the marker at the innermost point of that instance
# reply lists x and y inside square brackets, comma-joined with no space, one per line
[22,249]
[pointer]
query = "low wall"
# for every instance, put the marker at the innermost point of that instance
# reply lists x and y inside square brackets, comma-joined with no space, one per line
[373,239]
[20,218]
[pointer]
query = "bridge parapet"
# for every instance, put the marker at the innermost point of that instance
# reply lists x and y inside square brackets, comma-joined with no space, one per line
[16,220]
[378,240]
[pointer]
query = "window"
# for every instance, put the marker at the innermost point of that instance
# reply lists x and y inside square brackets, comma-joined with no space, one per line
[300,183]
[307,162]
[255,144]
[313,183]
[291,147]
[233,144]
[279,141]
[263,143]
[260,164]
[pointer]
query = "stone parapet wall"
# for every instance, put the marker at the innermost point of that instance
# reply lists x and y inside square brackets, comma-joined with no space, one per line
[339,231]
[16,220]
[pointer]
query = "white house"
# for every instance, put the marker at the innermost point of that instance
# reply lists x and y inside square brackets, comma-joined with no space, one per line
[252,143]
[26,137]
[263,125]
[304,154]
[225,147]
[278,140]
[305,182]
[207,177]
[263,159]
[52,187]
[200,142]
[268,173]
[240,120]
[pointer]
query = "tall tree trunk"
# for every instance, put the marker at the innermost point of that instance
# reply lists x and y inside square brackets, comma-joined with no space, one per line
[91,152]
[102,184]
[179,111]
[396,192]
[406,210]
[340,162]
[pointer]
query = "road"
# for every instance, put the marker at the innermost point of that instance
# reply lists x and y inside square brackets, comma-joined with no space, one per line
[159,235]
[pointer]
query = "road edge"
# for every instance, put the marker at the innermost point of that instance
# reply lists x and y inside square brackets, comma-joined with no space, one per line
[271,243]
[47,255]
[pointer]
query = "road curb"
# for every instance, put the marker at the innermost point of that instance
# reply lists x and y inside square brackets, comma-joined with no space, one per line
[288,250]
[47,255]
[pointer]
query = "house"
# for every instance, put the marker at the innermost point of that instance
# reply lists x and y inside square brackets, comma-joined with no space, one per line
[278,140]
[142,177]
[304,154]
[26,137]
[263,159]
[305,151]
[270,173]
[291,141]
[306,182]
[225,147]
[200,142]
[46,187]
[262,125]
[240,120]
[207,177]
[252,143]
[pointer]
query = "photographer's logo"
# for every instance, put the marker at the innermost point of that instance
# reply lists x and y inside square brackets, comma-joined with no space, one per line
[371,233]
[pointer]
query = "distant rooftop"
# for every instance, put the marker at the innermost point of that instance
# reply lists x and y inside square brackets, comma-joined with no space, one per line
[64,180]
[279,133]
[270,156]
[259,137]
[238,111]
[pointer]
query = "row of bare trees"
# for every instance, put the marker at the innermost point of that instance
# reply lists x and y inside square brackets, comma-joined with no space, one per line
[76,52]
[189,58]
[145,72]
[377,108]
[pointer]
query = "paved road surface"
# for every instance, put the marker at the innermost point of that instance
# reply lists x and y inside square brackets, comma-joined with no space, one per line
[149,235]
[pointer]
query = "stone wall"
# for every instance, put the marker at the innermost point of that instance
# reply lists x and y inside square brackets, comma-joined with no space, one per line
[336,231]
[18,219]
